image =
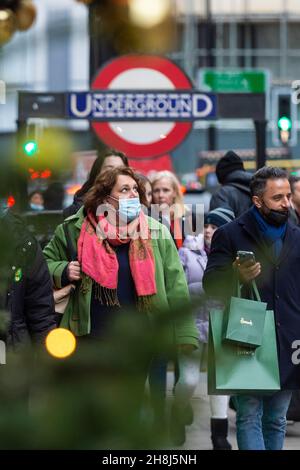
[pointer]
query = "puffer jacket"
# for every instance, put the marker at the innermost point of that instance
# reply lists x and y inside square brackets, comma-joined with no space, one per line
[234,194]
[194,260]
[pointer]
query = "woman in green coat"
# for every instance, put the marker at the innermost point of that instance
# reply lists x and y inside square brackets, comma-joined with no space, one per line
[124,259]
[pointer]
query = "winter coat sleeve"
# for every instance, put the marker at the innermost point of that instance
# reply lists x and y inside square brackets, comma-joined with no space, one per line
[178,295]
[183,260]
[193,276]
[220,278]
[56,256]
[38,299]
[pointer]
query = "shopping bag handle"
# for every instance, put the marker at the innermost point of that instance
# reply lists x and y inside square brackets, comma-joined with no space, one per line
[254,289]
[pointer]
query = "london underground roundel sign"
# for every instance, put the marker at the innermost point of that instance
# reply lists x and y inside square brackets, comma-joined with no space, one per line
[141,72]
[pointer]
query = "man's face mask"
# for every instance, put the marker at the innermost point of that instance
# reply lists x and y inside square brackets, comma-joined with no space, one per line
[274,217]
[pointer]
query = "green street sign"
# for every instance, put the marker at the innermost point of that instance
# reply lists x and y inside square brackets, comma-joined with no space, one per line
[234,80]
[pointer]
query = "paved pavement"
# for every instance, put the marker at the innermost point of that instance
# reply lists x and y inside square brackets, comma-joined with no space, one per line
[198,434]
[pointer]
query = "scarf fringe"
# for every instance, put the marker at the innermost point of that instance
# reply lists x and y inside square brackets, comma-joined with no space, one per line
[109,297]
[86,283]
[144,303]
[106,296]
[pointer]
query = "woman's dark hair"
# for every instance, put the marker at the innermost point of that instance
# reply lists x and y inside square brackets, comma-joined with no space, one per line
[104,184]
[96,168]
[37,191]
[143,178]
[259,179]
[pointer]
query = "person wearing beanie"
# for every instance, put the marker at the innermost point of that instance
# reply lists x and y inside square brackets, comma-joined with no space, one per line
[219,217]
[193,256]
[234,192]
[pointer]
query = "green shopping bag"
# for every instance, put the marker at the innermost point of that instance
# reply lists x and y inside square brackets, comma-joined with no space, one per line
[234,369]
[246,319]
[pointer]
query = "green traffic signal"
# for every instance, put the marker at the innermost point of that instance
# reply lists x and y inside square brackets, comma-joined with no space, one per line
[284,123]
[30,148]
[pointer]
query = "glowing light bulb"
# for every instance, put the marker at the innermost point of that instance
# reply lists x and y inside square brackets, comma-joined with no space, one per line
[148,13]
[60,343]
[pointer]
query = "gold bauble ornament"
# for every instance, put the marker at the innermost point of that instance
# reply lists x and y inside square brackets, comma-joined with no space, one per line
[7,25]
[25,15]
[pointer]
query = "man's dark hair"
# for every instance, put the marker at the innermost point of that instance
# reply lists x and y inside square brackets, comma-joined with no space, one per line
[259,179]
[293,180]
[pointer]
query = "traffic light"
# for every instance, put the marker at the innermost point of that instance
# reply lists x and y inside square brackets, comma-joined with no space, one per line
[285,116]
[30,148]
[43,151]
[284,122]
[30,145]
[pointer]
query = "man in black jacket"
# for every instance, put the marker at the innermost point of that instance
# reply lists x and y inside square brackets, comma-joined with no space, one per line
[265,230]
[234,193]
[25,287]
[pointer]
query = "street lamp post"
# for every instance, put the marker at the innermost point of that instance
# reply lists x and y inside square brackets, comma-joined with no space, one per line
[210,62]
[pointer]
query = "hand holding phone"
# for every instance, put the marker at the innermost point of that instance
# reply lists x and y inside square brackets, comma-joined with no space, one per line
[244,256]
[247,267]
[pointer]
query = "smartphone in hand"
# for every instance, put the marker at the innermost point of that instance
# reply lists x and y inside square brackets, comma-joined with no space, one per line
[246,256]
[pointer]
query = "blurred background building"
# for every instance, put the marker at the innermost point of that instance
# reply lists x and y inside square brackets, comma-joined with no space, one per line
[70,39]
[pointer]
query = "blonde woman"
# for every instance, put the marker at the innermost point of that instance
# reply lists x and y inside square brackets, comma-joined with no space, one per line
[167,194]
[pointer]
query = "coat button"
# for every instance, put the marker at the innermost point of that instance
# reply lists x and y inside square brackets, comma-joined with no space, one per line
[277,296]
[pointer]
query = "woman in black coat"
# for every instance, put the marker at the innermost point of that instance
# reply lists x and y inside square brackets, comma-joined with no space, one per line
[26,287]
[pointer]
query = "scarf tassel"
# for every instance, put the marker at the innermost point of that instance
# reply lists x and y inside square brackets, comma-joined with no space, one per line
[144,303]
[109,297]
[106,296]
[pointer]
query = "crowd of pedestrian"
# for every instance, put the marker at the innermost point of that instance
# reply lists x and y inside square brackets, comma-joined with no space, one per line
[135,246]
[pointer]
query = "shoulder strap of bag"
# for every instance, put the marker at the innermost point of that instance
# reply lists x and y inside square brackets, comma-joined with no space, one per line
[71,252]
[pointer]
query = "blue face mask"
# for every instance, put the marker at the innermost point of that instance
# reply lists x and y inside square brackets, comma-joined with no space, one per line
[36,207]
[129,208]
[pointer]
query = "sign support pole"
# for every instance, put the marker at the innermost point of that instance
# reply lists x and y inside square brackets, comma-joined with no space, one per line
[260,130]
[210,62]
